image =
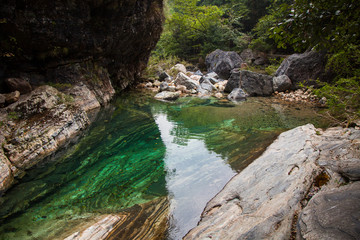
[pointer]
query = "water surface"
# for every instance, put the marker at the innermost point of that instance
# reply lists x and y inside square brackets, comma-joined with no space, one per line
[140,149]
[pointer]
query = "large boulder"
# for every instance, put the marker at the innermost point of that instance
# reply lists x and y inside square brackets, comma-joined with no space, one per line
[207,85]
[282,83]
[222,62]
[237,94]
[305,67]
[182,79]
[254,84]
[332,214]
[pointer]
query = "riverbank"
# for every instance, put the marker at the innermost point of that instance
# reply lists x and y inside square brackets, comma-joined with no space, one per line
[304,186]
[43,121]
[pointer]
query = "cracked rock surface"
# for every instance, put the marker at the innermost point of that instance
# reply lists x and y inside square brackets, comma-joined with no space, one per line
[261,201]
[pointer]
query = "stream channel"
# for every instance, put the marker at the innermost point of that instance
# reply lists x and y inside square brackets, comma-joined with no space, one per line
[138,150]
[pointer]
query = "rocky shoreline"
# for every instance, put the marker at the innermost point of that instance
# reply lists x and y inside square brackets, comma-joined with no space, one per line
[308,178]
[42,122]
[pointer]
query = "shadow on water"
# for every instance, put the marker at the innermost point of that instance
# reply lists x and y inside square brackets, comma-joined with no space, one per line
[140,149]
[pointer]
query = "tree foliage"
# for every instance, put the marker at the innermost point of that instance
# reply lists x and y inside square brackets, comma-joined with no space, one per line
[320,24]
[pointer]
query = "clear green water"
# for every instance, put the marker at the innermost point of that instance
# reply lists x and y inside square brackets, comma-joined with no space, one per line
[139,149]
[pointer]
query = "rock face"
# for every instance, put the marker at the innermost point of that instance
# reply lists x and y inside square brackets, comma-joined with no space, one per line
[222,62]
[117,35]
[262,200]
[254,84]
[332,214]
[303,67]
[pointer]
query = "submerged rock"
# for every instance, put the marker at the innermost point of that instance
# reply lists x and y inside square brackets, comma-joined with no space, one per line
[167,95]
[146,221]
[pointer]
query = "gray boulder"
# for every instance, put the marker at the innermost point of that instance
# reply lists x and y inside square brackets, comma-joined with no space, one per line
[164,86]
[18,84]
[166,95]
[182,79]
[281,83]
[198,72]
[163,76]
[237,94]
[255,57]
[332,214]
[209,79]
[222,62]
[254,84]
[212,75]
[305,67]
[207,85]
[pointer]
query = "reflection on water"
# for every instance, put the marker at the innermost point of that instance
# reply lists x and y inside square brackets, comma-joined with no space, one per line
[139,150]
[194,176]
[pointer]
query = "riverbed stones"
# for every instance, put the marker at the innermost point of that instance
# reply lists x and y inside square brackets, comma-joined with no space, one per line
[332,214]
[222,62]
